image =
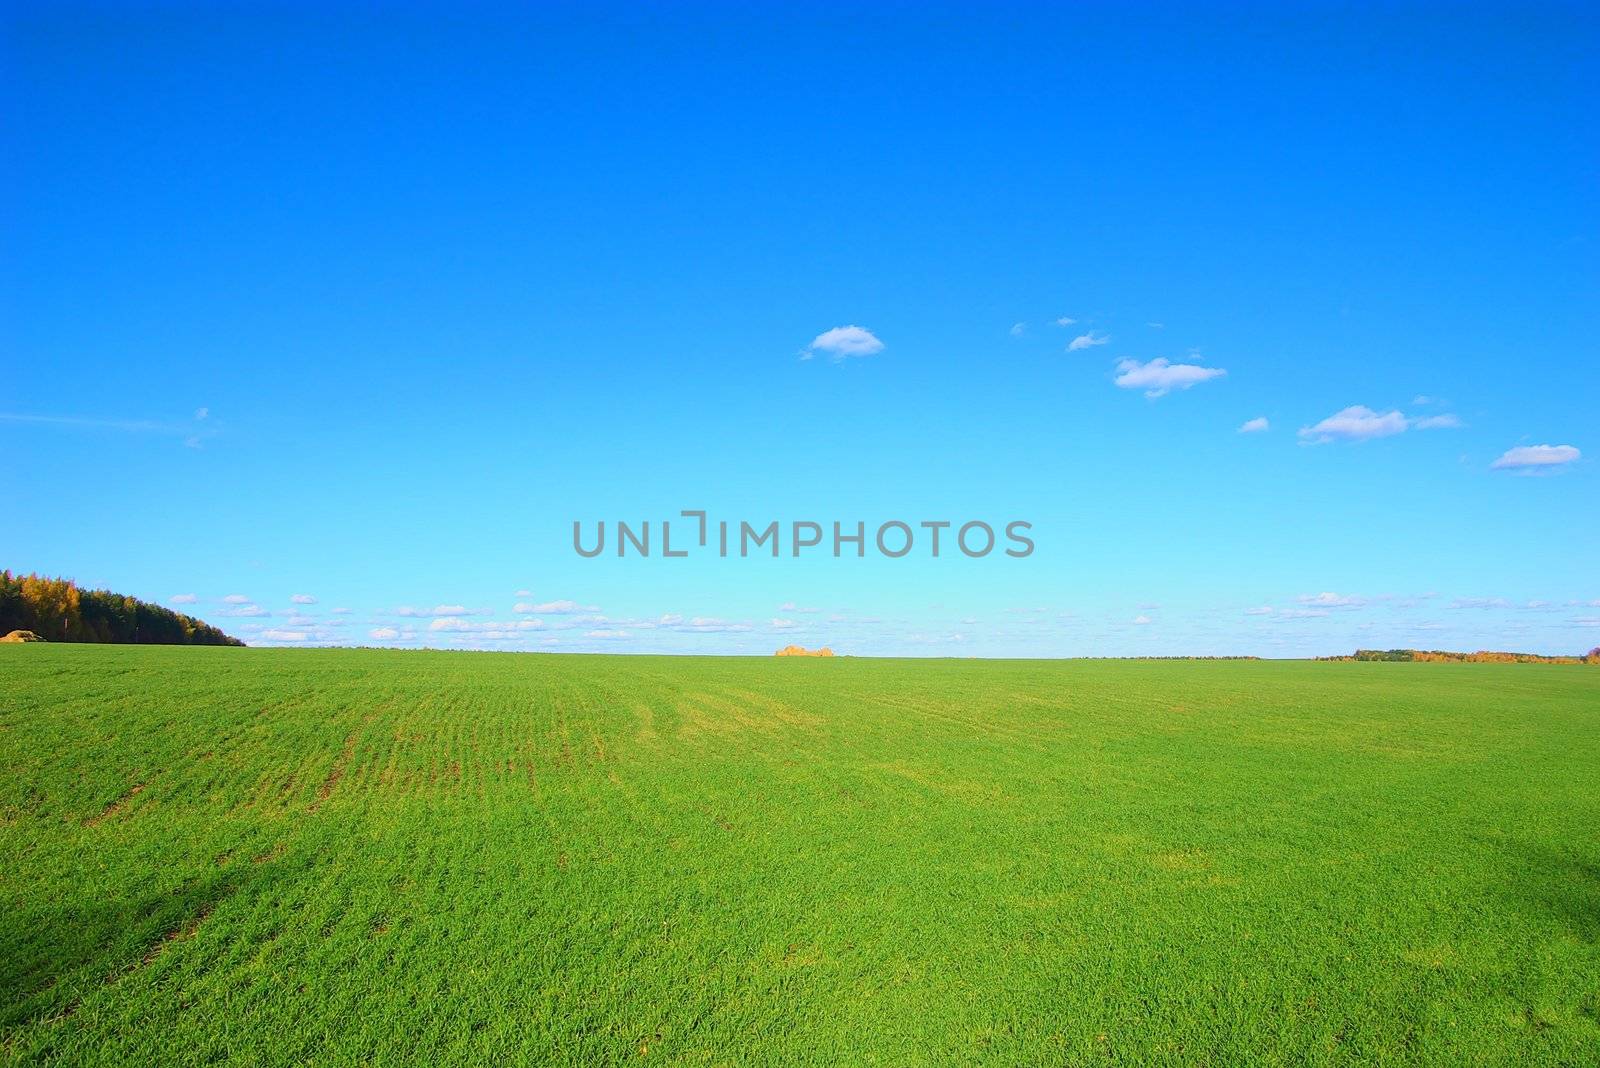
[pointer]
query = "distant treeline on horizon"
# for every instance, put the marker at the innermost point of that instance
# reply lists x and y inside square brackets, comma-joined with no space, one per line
[57,610]
[1480,657]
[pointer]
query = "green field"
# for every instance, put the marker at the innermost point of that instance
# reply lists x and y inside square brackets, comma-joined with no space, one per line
[340,857]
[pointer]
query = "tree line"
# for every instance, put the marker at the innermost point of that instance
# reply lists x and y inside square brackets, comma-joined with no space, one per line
[1483,656]
[57,610]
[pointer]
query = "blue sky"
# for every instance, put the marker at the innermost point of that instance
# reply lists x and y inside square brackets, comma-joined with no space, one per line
[370,309]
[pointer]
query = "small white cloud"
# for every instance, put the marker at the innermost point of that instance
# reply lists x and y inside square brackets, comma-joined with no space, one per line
[449,623]
[1255,426]
[201,414]
[408,610]
[1264,610]
[1436,422]
[303,598]
[1332,600]
[1422,400]
[1159,377]
[285,635]
[1301,613]
[341,611]
[1355,423]
[524,593]
[1141,621]
[383,634]
[1087,341]
[784,624]
[243,610]
[1066,320]
[1536,458]
[790,606]
[236,598]
[1480,602]
[608,635]
[1156,326]
[842,342]
[552,608]
[1018,329]
[450,610]
[183,598]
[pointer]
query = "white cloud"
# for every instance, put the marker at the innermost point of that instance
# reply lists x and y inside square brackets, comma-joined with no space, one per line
[1142,621]
[1355,423]
[1264,610]
[449,623]
[1156,326]
[606,634]
[1480,602]
[303,598]
[524,593]
[784,624]
[1332,600]
[202,413]
[844,341]
[245,610]
[236,598]
[790,606]
[341,611]
[1422,400]
[1018,329]
[183,598]
[553,608]
[1066,320]
[285,635]
[1536,458]
[1087,341]
[1360,423]
[1159,377]
[1255,426]
[1301,613]
[450,610]
[383,634]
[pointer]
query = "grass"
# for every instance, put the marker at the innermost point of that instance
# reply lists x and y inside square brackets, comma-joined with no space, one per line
[276,857]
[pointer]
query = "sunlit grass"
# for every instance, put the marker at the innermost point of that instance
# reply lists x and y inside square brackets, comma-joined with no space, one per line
[282,857]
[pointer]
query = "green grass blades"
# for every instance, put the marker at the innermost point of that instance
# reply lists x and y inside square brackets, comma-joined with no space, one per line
[341,857]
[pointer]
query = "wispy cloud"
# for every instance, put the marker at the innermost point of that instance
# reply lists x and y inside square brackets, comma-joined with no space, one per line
[383,634]
[1066,320]
[1531,458]
[183,598]
[190,431]
[1355,423]
[1018,329]
[1087,341]
[552,608]
[236,598]
[1332,600]
[1360,423]
[303,598]
[1160,376]
[842,342]
[1255,426]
